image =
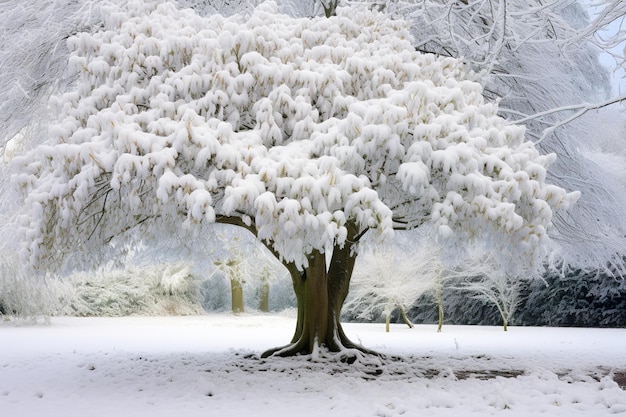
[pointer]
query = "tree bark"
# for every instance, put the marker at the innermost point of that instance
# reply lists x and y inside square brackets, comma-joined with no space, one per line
[387,322]
[264,297]
[330,7]
[439,308]
[320,293]
[236,291]
[405,318]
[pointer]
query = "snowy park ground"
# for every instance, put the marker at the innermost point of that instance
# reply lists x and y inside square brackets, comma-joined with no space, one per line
[210,366]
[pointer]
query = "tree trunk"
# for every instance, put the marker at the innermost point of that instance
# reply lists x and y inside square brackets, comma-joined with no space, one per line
[264,297]
[330,7]
[236,291]
[320,293]
[405,318]
[439,307]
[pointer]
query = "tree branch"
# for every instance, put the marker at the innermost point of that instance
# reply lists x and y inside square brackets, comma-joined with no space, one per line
[579,109]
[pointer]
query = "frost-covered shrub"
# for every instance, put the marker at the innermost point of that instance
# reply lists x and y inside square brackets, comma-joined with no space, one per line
[22,297]
[157,290]
[215,293]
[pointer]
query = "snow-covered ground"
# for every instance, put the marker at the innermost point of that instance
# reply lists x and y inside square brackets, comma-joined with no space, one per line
[210,366]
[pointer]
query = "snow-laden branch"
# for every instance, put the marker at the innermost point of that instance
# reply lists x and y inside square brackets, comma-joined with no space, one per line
[577,109]
[481,277]
[609,12]
[307,132]
[392,277]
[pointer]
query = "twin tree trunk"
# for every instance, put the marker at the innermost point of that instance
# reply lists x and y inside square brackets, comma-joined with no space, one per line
[320,292]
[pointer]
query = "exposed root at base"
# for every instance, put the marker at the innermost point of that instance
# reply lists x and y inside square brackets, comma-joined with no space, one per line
[338,353]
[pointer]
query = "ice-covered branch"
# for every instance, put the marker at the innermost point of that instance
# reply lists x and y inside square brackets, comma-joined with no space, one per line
[578,111]
[607,13]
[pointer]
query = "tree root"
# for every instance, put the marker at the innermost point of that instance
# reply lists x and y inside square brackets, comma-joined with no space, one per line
[338,348]
[292,349]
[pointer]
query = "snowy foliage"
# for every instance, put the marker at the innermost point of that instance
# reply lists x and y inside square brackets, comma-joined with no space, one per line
[390,278]
[33,58]
[22,298]
[541,60]
[159,290]
[294,8]
[295,128]
[482,279]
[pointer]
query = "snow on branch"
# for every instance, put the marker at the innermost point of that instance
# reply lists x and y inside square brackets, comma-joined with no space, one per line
[308,132]
[577,109]
[607,13]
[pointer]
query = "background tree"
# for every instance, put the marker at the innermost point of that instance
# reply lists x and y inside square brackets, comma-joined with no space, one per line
[391,278]
[578,299]
[236,271]
[245,261]
[400,276]
[483,279]
[307,140]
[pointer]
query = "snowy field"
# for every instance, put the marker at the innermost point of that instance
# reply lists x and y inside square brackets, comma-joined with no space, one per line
[210,366]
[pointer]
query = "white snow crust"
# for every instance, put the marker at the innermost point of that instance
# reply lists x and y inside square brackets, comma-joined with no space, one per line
[209,366]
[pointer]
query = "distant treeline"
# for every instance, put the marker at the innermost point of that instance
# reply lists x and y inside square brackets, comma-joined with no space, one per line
[579,299]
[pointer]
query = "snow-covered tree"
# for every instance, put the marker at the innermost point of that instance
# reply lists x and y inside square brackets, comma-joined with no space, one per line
[309,133]
[485,280]
[396,277]
[390,278]
[235,269]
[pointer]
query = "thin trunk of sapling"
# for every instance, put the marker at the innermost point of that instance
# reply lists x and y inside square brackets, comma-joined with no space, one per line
[264,297]
[439,308]
[405,318]
[236,291]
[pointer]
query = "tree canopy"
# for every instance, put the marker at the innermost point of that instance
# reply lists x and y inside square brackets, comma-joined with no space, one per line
[296,128]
